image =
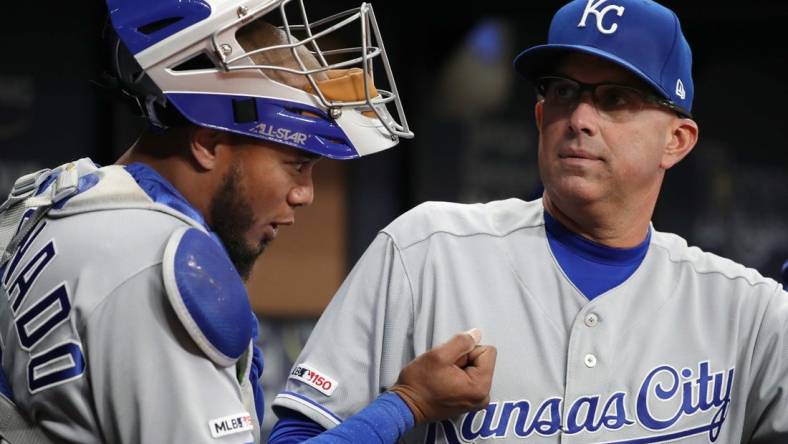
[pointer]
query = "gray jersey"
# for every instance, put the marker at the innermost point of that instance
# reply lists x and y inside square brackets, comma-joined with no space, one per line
[691,348]
[92,344]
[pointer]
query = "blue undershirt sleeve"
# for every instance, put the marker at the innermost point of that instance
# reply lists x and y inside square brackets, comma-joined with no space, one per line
[293,427]
[384,421]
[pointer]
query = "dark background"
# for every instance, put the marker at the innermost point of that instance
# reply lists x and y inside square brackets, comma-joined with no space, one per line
[475,138]
[471,114]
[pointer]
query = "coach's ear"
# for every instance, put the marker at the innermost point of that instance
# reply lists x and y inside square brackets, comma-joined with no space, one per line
[538,114]
[203,145]
[681,137]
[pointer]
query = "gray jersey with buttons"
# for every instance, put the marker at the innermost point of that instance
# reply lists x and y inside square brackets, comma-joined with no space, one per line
[691,348]
[93,351]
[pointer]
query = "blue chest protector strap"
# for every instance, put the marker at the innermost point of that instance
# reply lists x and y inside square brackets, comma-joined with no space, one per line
[15,429]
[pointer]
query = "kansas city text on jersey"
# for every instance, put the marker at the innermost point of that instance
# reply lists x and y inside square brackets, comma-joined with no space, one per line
[666,399]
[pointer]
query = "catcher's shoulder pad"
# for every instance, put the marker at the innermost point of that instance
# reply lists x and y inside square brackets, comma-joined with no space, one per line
[208,295]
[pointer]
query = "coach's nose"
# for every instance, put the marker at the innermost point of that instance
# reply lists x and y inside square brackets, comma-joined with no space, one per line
[584,117]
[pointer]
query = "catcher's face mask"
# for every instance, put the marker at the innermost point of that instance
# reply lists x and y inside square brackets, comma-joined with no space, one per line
[265,70]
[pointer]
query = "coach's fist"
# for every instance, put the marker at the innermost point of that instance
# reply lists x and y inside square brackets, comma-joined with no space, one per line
[452,378]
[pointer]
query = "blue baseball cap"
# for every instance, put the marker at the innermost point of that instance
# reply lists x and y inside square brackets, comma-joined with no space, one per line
[640,35]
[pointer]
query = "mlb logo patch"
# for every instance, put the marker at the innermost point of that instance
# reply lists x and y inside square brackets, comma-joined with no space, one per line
[230,425]
[314,378]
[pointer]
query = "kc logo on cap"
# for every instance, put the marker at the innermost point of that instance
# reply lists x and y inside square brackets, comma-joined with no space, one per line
[641,36]
[592,7]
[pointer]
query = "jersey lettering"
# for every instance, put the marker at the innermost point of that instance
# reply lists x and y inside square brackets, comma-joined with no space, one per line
[40,319]
[63,362]
[20,251]
[664,384]
[55,366]
[29,274]
[697,392]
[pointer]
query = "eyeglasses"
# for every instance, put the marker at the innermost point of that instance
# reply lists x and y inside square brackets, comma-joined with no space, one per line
[618,103]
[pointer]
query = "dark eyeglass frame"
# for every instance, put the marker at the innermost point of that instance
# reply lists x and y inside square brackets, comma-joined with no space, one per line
[541,87]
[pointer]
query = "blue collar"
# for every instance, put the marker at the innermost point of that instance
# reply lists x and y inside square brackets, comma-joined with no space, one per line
[162,191]
[593,251]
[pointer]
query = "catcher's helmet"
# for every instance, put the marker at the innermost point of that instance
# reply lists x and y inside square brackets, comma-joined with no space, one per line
[260,68]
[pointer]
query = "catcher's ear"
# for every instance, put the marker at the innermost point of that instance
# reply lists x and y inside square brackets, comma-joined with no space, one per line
[203,146]
[681,138]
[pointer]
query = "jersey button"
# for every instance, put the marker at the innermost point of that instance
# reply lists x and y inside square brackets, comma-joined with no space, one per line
[591,320]
[590,360]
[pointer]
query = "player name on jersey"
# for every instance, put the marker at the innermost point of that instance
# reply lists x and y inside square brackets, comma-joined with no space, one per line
[688,392]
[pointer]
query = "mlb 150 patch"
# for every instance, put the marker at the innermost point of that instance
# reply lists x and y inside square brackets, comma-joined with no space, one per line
[314,378]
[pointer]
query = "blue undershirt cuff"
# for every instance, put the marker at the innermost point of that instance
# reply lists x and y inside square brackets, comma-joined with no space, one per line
[384,421]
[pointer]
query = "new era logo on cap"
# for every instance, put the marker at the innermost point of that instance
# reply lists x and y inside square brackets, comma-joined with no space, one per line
[641,36]
[680,89]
